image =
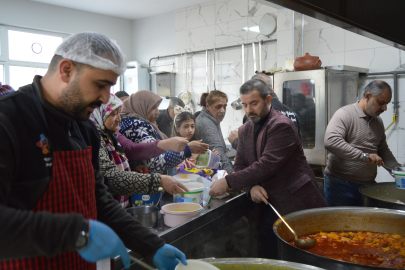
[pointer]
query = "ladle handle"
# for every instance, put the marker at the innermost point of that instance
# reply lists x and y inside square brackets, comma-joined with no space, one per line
[143,264]
[274,209]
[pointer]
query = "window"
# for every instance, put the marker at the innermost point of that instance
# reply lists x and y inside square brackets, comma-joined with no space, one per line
[25,53]
[117,86]
[20,76]
[300,96]
[31,47]
[2,74]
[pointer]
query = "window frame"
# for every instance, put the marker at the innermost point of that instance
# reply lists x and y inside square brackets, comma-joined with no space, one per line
[4,52]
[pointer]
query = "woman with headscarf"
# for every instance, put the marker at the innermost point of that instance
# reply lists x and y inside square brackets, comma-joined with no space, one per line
[138,124]
[114,165]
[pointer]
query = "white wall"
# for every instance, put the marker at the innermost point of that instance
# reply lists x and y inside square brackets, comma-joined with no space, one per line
[153,36]
[212,25]
[30,14]
[219,23]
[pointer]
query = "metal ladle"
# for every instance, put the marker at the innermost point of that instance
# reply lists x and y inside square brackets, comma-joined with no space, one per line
[393,169]
[389,168]
[299,243]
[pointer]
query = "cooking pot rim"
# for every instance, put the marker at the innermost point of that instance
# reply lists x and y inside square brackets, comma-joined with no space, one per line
[339,208]
[261,261]
[379,184]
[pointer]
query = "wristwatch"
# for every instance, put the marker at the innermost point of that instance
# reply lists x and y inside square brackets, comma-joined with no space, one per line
[84,236]
[365,157]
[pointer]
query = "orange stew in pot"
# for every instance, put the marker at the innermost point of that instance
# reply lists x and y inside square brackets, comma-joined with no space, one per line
[367,248]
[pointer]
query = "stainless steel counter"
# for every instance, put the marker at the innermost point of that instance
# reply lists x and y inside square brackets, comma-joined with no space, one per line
[210,224]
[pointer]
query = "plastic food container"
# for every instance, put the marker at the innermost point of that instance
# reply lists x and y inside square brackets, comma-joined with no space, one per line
[194,195]
[178,213]
[399,178]
[209,160]
[148,199]
[182,177]
[147,215]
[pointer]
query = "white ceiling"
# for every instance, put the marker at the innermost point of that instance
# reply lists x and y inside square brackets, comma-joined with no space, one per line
[128,9]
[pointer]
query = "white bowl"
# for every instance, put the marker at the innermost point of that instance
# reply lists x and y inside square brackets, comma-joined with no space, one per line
[196,265]
[178,213]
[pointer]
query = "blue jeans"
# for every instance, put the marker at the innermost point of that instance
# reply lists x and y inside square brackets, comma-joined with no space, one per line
[340,192]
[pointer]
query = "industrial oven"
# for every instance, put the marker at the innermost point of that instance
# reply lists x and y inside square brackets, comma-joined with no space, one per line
[315,95]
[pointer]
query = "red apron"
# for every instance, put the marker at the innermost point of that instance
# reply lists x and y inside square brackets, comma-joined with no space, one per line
[71,189]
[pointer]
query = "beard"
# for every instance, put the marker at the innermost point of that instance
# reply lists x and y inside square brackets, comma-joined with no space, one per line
[73,104]
[258,117]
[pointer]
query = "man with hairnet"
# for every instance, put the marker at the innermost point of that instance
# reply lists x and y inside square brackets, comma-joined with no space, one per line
[55,212]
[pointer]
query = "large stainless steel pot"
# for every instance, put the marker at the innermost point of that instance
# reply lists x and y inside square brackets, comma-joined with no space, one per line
[256,264]
[383,195]
[334,219]
[146,214]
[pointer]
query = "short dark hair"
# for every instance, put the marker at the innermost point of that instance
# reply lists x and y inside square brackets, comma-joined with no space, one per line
[53,65]
[55,61]
[121,94]
[263,77]
[376,87]
[257,85]
[176,101]
[179,119]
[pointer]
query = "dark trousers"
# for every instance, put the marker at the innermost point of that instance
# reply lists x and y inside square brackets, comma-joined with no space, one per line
[340,192]
[267,240]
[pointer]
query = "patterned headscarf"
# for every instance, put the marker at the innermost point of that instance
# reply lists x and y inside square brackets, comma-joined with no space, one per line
[99,115]
[115,150]
[140,104]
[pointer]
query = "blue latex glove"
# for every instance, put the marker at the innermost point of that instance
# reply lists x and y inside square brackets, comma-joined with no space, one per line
[167,258]
[104,243]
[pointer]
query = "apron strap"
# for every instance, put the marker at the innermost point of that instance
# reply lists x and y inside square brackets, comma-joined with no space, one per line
[37,102]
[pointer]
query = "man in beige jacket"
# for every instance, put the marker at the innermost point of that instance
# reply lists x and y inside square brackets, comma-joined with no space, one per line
[356,141]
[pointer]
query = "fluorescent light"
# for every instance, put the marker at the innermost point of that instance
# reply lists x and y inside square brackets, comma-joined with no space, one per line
[252,29]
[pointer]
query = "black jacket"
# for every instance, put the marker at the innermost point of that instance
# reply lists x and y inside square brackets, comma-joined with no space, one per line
[287,111]
[165,122]
[24,177]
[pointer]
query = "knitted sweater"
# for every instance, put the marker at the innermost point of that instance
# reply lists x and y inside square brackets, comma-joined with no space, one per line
[140,130]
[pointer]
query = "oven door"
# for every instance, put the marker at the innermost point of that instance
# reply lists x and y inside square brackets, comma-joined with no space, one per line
[304,92]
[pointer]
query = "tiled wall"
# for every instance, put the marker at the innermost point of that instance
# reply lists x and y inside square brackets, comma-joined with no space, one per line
[220,23]
[213,25]
[336,46]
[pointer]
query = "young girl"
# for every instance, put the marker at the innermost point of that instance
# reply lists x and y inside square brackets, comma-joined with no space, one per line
[184,126]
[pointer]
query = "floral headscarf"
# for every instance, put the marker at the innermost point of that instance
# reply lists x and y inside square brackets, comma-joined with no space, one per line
[99,115]
[115,150]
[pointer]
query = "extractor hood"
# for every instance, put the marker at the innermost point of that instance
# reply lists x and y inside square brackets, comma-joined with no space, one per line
[381,20]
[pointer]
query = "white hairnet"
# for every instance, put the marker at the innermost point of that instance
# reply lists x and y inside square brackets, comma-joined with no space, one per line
[95,50]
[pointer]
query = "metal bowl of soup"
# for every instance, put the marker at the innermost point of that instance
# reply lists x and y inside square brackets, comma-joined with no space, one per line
[383,195]
[330,219]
